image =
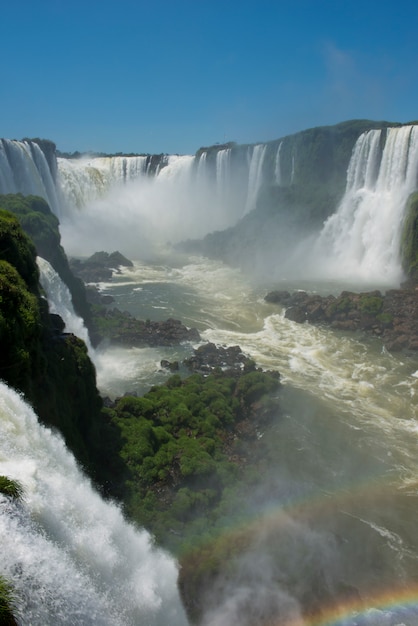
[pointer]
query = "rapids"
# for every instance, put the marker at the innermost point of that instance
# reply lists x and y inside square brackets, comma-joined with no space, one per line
[339,502]
[344,462]
[71,557]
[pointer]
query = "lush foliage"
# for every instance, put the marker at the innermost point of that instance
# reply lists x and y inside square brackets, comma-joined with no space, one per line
[10,488]
[20,333]
[185,443]
[409,246]
[52,369]
[6,604]
[37,220]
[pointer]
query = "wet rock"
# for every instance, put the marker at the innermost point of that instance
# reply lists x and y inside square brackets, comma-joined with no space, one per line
[99,267]
[392,316]
[172,366]
[208,357]
[296,314]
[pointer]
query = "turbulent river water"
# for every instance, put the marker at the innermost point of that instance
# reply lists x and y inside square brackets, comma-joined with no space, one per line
[335,514]
[344,453]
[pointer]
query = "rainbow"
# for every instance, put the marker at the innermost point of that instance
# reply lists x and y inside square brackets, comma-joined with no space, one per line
[385,608]
[390,604]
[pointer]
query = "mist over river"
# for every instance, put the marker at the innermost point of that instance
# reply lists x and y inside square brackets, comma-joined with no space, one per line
[337,506]
[344,454]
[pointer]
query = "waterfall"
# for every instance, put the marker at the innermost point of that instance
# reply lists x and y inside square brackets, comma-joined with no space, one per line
[60,302]
[255,175]
[24,169]
[201,168]
[277,166]
[70,556]
[178,168]
[87,179]
[362,239]
[222,172]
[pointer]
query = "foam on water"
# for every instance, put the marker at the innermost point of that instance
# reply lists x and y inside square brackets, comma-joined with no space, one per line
[71,557]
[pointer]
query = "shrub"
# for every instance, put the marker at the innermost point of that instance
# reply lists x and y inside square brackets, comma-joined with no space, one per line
[371,305]
[11,488]
[6,604]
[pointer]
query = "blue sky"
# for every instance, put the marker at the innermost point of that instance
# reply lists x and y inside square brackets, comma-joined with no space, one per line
[174,75]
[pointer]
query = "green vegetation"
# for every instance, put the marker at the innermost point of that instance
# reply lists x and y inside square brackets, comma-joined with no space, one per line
[342,304]
[184,444]
[11,488]
[53,370]
[409,243]
[20,333]
[385,318]
[6,604]
[41,225]
[370,305]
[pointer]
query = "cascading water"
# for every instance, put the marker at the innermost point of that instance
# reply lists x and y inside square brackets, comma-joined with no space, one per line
[71,557]
[362,239]
[84,180]
[277,166]
[222,172]
[255,176]
[24,169]
[345,442]
[60,302]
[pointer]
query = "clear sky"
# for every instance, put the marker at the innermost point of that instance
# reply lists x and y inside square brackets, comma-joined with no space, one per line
[174,75]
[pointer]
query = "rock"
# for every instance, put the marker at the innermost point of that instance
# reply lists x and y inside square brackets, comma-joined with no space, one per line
[57,323]
[393,316]
[94,296]
[278,297]
[99,267]
[296,314]
[172,366]
[208,357]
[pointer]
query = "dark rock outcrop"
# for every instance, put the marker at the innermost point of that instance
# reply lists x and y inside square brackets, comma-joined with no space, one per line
[209,356]
[99,267]
[124,329]
[392,316]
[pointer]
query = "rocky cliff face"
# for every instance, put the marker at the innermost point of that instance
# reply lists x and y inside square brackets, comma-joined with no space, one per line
[302,180]
[37,357]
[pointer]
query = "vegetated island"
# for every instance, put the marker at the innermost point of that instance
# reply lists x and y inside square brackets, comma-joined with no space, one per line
[176,457]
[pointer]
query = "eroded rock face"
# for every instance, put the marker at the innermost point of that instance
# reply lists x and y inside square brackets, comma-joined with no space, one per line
[99,267]
[123,328]
[392,316]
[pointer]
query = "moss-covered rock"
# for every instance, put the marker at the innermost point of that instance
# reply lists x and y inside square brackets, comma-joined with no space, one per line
[185,443]
[52,369]
[20,314]
[409,244]
[42,226]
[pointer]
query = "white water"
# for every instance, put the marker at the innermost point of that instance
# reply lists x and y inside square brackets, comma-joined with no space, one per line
[255,176]
[348,430]
[362,239]
[277,167]
[223,172]
[24,169]
[71,557]
[350,408]
[176,204]
[60,302]
[87,179]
